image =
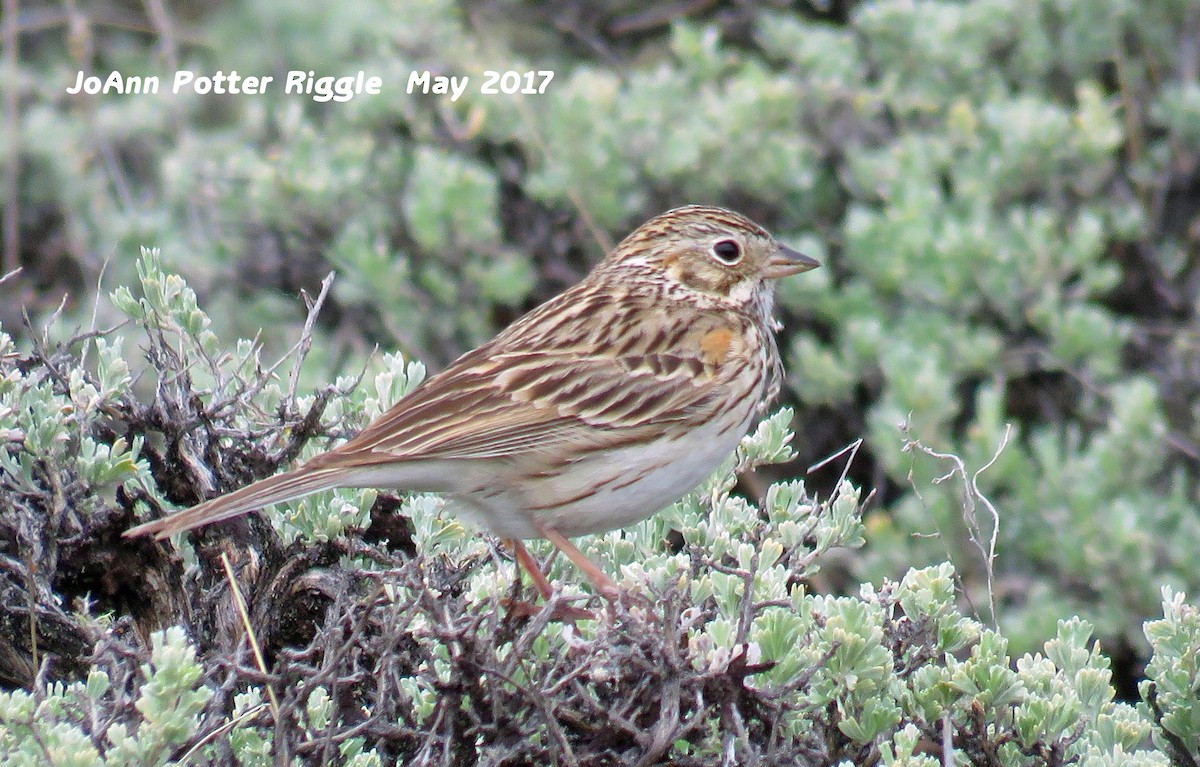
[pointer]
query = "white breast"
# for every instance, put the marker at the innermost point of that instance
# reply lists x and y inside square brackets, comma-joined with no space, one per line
[609,489]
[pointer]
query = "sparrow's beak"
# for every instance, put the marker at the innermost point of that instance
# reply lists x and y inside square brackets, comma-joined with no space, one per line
[787,262]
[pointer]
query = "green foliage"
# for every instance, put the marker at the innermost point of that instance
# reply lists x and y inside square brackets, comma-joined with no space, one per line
[969,207]
[51,425]
[1172,688]
[848,675]
[55,726]
[169,702]
[984,216]
[1000,192]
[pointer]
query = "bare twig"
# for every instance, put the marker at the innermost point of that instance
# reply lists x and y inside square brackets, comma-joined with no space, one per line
[852,449]
[216,732]
[534,134]
[240,602]
[1180,752]
[972,497]
[304,345]
[165,28]
[645,20]
[947,741]
[10,255]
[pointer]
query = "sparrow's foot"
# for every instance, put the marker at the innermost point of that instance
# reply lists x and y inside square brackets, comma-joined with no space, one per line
[560,612]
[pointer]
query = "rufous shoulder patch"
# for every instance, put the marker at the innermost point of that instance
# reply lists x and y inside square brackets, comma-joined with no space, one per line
[715,344]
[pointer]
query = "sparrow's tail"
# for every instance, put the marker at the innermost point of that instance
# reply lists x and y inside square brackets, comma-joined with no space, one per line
[282,487]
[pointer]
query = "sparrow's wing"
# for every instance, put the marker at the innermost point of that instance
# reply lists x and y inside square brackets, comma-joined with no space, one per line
[578,382]
[538,402]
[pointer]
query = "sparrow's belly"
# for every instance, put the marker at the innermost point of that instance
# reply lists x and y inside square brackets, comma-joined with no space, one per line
[609,489]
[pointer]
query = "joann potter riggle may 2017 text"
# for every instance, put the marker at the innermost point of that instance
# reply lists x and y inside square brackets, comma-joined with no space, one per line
[299,82]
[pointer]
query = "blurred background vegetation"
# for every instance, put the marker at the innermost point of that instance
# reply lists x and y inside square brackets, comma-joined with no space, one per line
[1005,195]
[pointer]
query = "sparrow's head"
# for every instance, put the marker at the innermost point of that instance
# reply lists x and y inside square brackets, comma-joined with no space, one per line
[713,251]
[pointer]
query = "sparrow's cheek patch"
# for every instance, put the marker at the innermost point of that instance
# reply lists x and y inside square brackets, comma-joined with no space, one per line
[679,271]
[697,276]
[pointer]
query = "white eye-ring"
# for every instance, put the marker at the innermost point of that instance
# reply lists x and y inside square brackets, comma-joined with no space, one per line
[728,252]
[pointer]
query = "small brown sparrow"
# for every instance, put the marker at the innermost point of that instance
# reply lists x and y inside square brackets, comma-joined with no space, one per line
[595,410]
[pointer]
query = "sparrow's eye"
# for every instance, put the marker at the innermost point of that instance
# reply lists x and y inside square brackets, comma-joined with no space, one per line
[727,251]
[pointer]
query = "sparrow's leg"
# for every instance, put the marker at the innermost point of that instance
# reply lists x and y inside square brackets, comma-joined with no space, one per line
[562,612]
[530,564]
[606,586]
